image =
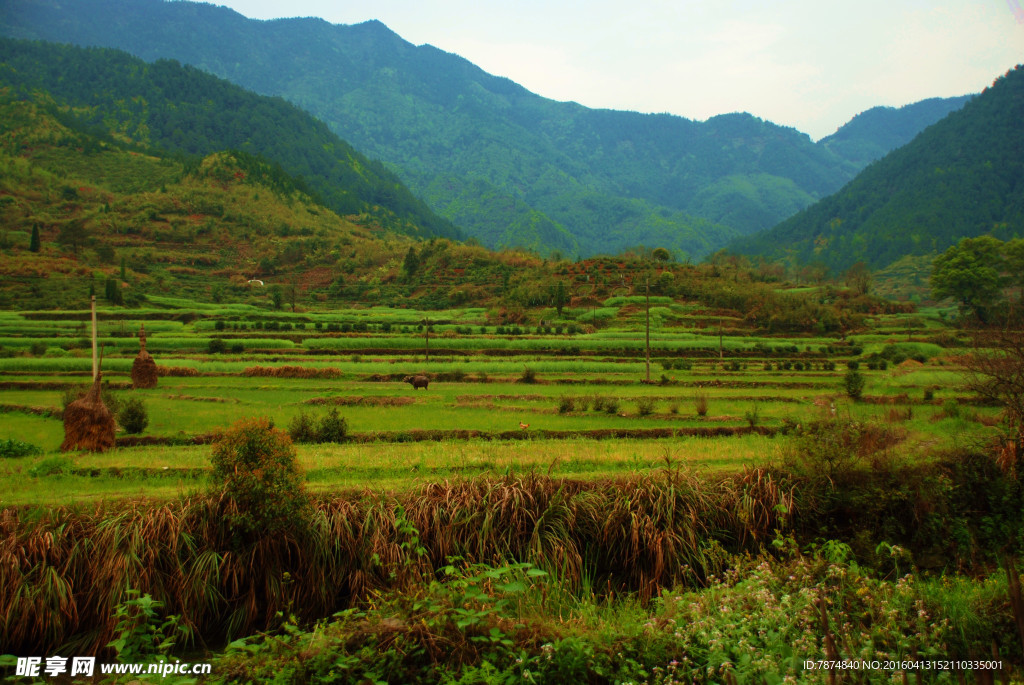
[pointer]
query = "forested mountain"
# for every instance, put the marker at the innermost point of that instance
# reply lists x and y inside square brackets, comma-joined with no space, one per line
[874,133]
[961,177]
[182,109]
[510,167]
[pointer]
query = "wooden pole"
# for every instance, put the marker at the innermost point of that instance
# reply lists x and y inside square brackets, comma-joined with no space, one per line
[647,346]
[95,358]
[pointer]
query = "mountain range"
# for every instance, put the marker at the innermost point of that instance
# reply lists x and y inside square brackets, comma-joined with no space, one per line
[961,177]
[508,167]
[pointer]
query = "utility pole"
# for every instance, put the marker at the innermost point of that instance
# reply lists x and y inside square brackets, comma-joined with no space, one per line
[95,341]
[721,356]
[426,333]
[647,346]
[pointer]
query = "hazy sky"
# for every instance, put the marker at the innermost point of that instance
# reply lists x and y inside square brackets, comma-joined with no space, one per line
[810,64]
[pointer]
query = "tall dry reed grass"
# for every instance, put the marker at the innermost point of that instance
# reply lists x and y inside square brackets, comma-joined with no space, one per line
[64,571]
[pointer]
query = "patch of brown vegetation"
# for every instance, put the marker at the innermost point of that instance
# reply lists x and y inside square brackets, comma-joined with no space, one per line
[291,372]
[357,401]
[176,371]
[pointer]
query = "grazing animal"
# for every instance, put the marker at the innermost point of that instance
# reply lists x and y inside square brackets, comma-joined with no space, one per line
[417,382]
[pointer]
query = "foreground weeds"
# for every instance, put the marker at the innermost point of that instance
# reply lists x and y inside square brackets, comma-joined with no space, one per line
[759,622]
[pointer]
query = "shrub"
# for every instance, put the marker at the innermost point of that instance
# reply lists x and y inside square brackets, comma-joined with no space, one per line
[700,403]
[52,466]
[644,406]
[217,346]
[301,428]
[11,449]
[529,376]
[853,382]
[332,428]
[611,405]
[254,469]
[566,404]
[929,394]
[752,416]
[133,415]
[951,408]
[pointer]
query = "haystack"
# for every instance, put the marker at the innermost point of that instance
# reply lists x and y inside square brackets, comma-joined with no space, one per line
[88,424]
[144,373]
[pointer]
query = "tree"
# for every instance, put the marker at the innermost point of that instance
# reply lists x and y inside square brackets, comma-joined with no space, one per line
[73,234]
[660,254]
[970,272]
[858,277]
[559,297]
[995,371]
[411,263]
[33,244]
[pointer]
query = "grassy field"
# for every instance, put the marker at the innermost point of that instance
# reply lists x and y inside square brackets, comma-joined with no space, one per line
[512,389]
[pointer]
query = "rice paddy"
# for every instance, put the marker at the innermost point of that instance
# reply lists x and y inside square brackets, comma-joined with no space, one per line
[533,398]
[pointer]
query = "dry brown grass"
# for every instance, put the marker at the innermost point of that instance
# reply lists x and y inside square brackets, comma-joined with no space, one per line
[362,401]
[63,571]
[291,372]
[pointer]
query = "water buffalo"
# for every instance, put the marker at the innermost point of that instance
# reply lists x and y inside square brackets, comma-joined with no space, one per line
[417,382]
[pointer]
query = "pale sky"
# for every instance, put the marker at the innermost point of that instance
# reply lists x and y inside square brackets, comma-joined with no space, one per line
[809,64]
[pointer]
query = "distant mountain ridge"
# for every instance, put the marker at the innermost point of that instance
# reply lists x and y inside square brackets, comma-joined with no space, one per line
[961,177]
[507,165]
[874,133]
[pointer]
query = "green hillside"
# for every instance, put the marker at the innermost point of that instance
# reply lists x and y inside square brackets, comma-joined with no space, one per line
[508,166]
[874,133]
[184,110]
[962,177]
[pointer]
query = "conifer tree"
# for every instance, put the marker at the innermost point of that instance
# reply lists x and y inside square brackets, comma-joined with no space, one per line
[33,244]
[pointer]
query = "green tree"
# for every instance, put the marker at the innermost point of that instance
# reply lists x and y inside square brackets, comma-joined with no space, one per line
[411,263]
[559,297]
[970,272]
[255,471]
[277,296]
[660,254]
[33,244]
[858,277]
[73,234]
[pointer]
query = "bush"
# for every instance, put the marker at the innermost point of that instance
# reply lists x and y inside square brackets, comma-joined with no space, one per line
[254,469]
[301,429]
[52,466]
[566,404]
[331,428]
[217,346]
[12,449]
[644,406]
[700,403]
[529,376]
[853,382]
[133,415]
[611,405]
[752,416]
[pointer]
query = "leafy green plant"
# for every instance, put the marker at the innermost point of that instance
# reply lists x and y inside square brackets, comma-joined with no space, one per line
[12,449]
[255,471]
[140,633]
[853,383]
[133,415]
[52,466]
